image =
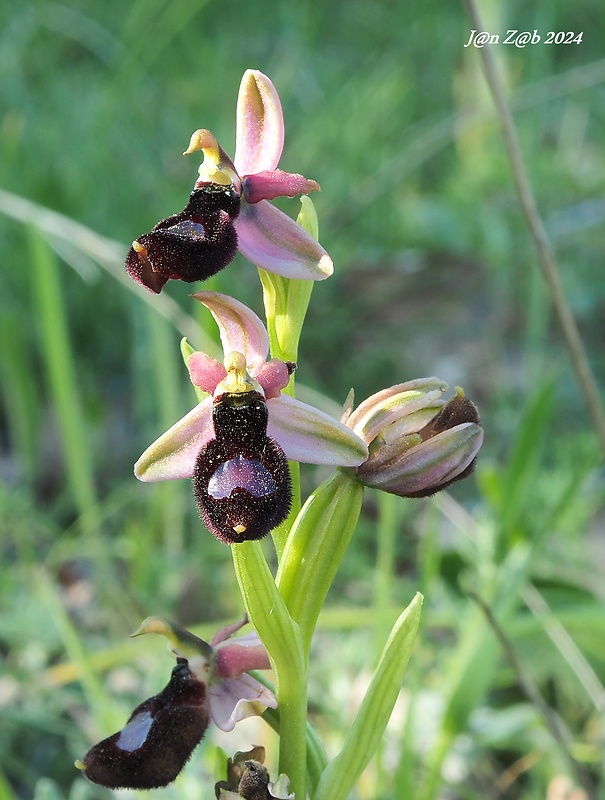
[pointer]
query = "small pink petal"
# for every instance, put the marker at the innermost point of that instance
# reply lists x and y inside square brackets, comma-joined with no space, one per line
[240,328]
[240,655]
[308,435]
[259,139]
[271,184]
[205,372]
[173,455]
[270,239]
[234,699]
[273,377]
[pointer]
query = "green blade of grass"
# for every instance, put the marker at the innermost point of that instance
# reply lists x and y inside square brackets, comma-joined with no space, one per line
[61,371]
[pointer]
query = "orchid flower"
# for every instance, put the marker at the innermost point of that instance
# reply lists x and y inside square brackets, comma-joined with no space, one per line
[303,432]
[229,209]
[208,684]
[418,442]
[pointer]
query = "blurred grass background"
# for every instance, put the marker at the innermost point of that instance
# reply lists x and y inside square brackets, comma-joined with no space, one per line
[435,274]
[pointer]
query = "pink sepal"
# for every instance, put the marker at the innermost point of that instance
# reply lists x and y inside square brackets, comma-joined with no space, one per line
[259,139]
[241,330]
[234,699]
[173,455]
[308,435]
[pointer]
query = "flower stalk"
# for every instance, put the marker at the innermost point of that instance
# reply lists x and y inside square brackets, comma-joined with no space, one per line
[241,445]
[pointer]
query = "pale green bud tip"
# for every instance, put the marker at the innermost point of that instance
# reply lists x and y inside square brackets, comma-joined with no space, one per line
[186,350]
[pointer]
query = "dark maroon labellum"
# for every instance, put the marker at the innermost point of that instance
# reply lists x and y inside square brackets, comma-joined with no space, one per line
[241,479]
[190,246]
[158,738]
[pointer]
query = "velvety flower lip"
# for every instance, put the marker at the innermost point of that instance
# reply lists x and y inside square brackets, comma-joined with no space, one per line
[304,433]
[208,683]
[418,442]
[229,209]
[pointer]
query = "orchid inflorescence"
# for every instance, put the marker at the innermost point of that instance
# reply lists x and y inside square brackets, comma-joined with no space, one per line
[235,445]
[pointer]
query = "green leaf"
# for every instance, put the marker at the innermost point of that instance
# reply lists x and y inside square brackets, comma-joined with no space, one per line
[367,728]
[265,605]
[316,546]
[58,355]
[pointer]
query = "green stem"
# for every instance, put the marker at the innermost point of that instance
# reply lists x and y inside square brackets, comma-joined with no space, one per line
[284,325]
[317,760]
[281,636]
[62,377]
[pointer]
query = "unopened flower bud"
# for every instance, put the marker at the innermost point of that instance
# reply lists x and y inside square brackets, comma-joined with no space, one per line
[418,443]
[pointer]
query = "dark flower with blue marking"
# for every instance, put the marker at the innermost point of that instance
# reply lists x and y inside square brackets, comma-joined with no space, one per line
[208,683]
[235,442]
[241,479]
